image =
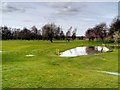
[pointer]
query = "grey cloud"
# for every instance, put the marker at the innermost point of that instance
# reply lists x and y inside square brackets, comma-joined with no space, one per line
[68,11]
[88,19]
[5,7]
[64,10]
[27,21]
[58,4]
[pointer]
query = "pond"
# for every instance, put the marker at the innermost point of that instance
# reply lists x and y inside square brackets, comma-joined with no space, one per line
[85,50]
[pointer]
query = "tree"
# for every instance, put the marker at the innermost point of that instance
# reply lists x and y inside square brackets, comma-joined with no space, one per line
[57,33]
[114,27]
[39,34]
[74,34]
[68,34]
[99,32]
[25,34]
[6,33]
[34,32]
[116,36]
[49,31]
[62,36]
[90,34]
[16,33]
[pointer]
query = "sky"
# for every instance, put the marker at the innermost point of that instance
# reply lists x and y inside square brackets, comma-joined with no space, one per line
[80,15]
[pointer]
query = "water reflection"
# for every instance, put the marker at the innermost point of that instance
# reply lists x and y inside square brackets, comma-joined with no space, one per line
[78,51]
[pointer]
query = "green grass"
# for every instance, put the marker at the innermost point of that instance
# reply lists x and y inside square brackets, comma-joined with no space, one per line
[47,70]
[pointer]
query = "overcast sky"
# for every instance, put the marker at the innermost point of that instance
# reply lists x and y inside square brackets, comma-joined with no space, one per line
[80,15]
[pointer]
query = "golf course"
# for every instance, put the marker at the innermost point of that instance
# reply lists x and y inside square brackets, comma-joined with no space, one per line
[46,69]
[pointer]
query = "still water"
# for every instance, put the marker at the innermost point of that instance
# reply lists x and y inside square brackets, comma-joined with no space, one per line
[78,51]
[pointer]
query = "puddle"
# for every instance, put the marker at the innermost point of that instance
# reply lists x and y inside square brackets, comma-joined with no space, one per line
[78,51]
[112,73]
[30,55]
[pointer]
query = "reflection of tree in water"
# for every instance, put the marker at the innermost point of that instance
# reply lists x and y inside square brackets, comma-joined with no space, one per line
[84,50]
[71,51]
[91,50]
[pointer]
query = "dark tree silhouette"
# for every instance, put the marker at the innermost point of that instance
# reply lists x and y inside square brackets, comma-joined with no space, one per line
[25,34]
[114,31]
[98,32]
[62,36]
[90,34]
[50,31]
[115,26]
[6,33]
[68,34]
[74,34]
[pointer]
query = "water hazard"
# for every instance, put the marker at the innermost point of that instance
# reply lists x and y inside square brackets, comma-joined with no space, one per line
[78,51]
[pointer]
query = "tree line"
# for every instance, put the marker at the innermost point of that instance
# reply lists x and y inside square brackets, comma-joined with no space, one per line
[52,31]
[47,32]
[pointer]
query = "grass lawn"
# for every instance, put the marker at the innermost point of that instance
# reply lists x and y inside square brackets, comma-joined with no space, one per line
[47,70]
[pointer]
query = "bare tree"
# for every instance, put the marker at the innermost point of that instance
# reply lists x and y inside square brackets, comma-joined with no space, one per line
[68,34]
[49,31]
[74,34]
[62,36]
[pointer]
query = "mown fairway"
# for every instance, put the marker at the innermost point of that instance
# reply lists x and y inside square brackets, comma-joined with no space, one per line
[47,70]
